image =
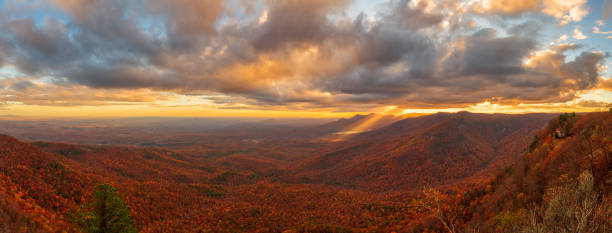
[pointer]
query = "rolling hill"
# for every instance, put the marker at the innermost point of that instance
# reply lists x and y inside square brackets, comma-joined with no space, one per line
[364,183]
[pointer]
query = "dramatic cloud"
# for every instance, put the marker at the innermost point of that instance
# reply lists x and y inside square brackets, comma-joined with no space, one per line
[295,54]
[579,74]
[295,23]
[564,11]
[606,84]
[29,92]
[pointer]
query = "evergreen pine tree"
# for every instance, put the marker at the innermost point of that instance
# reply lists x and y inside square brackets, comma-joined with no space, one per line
[107,213]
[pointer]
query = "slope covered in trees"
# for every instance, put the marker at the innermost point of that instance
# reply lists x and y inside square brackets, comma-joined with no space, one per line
[431,150]
[169,192]
[37,187]
[370,182]
[563,184]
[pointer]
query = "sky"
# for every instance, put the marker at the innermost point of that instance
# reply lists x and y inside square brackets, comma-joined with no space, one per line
[294,58]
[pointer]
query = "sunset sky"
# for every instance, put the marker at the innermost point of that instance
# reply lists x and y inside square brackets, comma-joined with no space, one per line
[298,58]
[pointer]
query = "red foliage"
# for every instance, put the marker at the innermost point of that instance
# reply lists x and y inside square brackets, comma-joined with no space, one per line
[367,184]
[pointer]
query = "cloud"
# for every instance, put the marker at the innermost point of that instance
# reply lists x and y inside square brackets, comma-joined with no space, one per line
[21,85]
[26,91]
[563,37]
[578,35]
[529,28]
[596,30]
[3,53]
[39,49]
[592,104]
[108,25]
[567,76]
[295,22]
[605,84]
[507,7]
[485,53]
[187,22]
[293,54]
[416,14]
[564,11]
[606,9]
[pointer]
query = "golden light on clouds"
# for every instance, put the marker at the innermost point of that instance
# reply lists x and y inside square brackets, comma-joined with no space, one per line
[565,11]
[301,58]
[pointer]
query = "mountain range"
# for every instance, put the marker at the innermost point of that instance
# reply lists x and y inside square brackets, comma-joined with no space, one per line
[315,179]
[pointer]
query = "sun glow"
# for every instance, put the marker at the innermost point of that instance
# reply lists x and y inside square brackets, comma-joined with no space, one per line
[141,110]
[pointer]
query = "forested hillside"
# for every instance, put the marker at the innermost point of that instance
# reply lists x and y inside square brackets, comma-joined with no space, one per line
[459,172]
[563,184]
[426,151]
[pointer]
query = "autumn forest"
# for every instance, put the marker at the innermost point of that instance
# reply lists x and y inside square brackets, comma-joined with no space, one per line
[446,172]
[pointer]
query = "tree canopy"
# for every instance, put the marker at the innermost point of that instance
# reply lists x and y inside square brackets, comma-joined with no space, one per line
[106,213]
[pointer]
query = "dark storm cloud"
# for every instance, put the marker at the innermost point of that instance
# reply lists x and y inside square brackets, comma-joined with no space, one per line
[383,46]
[296,22]
[107,26]
[38,49]
[409,67]
[530,28]
[188,22]
[122,77]
[487,54]
[3,52]
[21,85]
[553,70]
[583,70]
[415,53]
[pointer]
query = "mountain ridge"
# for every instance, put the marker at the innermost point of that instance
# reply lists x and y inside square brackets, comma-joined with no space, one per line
[434,142]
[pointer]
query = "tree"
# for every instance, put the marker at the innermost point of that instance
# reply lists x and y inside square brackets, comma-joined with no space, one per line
[534,143]
[567,121]
[107,213]
[571,207]
[440,207]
